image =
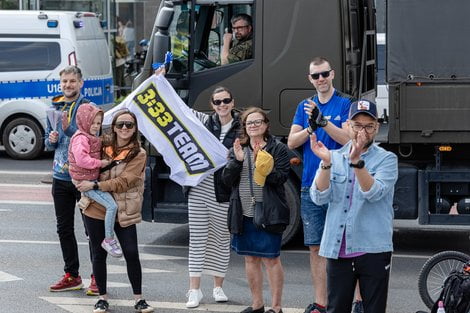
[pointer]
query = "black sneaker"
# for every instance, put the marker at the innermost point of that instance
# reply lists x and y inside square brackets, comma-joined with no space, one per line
[142,307]
[101,306]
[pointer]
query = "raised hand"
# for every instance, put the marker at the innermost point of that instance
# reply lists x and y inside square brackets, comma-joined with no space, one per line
[309,106]
[238,150]
[320,150]
[357,146]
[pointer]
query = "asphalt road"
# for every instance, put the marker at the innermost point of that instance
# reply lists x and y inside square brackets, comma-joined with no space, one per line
[30,258]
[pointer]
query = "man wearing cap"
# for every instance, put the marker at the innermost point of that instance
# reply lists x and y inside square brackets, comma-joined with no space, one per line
[328,122]
[357,182]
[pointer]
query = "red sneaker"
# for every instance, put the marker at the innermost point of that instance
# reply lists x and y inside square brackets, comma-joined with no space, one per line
[93,288]
[67,282]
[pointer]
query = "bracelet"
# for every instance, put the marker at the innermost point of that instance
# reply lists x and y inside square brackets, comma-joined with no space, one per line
[309,130]
[325,167]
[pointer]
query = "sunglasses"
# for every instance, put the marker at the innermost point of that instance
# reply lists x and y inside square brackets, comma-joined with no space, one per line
[324,74]
[219,102]
[120,125]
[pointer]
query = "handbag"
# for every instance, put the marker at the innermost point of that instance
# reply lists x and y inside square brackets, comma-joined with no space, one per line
[260,220]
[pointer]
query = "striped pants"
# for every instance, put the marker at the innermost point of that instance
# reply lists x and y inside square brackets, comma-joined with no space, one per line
[209,239]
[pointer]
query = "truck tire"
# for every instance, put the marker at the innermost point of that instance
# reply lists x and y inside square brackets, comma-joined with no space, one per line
[293,201]
[23,139]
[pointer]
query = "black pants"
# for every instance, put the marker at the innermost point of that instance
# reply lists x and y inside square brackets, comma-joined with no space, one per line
[373,272]
[65,197]
[128,239]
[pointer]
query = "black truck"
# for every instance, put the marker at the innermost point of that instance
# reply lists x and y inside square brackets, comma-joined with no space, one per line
[426,124]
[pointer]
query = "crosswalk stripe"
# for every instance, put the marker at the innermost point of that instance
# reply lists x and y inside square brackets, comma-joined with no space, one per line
[118,269]
[109,284]
[26,202]
[8,277]
[77,305]
[159,257]
[28,173]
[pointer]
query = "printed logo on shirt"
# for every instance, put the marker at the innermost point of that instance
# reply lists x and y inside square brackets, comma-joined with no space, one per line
[187,148]
[338,118]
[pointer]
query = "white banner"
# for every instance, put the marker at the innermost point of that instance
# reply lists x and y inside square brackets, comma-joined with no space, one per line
[186,145]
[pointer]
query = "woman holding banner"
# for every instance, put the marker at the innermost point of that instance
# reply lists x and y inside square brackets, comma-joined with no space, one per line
[209,239]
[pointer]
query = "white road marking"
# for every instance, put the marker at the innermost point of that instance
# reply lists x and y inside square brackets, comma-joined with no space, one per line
[25,173]
[26,202]
[145,256]
[118,269]
[77,305]
[8,277]
[6,210]
[159,257]
[27,186]
[86,282]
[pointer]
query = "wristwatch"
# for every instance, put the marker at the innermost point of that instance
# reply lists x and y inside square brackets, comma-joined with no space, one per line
[359,164]
[95,186]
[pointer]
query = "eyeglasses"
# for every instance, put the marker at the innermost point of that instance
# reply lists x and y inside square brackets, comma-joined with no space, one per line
[254,123]
[237,28]
[219,101]
[120,125]
[324,74]
[368,128]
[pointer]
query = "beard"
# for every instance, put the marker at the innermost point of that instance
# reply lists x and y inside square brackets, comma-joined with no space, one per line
[71,94]
[368,144]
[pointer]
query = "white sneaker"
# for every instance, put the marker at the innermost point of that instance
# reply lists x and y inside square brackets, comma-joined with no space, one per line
[219,295]
[194,296]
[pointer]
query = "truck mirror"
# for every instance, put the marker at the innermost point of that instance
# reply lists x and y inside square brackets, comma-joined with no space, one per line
[217,19]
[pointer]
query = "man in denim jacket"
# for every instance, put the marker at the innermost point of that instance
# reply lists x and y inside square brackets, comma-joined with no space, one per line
[357,181]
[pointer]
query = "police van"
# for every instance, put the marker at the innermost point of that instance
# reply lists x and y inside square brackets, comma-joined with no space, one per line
[34,47]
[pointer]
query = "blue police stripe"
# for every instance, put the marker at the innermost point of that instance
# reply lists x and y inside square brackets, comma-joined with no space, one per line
[95,90]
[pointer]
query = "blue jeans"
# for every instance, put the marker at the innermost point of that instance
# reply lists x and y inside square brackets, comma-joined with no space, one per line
[106,200]
[313,218]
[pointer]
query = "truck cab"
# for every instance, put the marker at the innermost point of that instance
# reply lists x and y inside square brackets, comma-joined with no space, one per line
[286,36]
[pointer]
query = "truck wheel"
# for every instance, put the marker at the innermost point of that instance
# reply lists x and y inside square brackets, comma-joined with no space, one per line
[23,139]
[293,201]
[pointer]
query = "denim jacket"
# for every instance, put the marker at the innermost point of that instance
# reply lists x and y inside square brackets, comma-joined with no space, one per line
[60,165]
[368,216]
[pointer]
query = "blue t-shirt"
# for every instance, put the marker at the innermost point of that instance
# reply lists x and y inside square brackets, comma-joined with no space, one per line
[336,111]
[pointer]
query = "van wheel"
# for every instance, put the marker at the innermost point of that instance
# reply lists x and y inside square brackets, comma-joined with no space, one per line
[23,139]
[293,201]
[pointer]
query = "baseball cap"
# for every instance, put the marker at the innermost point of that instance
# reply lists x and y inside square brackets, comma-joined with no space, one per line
[264,166]
[363,106]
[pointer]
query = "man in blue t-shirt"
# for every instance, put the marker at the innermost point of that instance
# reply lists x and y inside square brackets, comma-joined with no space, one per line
[329,125]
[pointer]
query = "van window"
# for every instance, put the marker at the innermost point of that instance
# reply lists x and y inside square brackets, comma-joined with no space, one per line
[90,39]
[29,56]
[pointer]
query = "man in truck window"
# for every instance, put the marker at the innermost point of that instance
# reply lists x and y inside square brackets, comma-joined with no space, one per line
[330,127]
[357,181]
[242,48]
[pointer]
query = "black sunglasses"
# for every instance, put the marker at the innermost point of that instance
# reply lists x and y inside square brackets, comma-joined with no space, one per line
[219,102]
[324,74]
[120,125]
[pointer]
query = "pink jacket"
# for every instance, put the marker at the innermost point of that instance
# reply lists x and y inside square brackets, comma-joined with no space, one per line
[84,148]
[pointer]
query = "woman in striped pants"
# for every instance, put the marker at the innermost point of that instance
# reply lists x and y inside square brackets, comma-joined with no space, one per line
[209,239]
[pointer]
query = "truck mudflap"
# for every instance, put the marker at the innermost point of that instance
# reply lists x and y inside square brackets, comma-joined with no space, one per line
[405,200]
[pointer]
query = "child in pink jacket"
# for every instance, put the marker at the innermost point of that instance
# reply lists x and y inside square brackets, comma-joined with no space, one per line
[85,163]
